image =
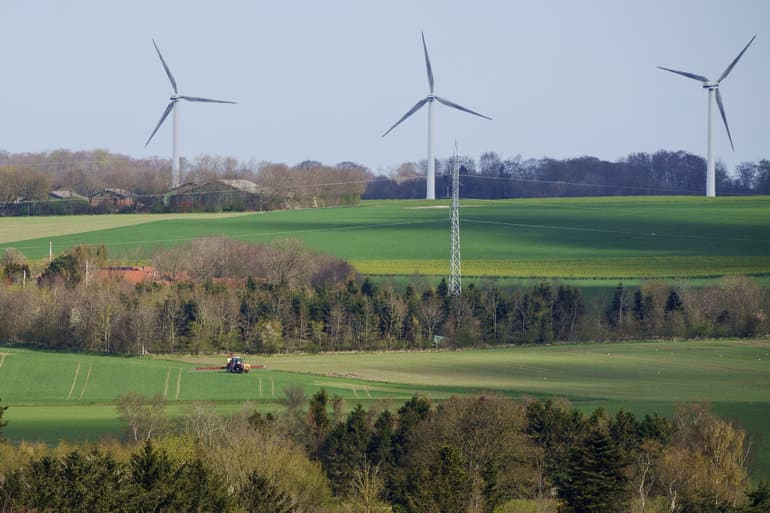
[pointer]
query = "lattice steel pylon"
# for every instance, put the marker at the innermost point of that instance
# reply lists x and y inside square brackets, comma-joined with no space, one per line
[455,283]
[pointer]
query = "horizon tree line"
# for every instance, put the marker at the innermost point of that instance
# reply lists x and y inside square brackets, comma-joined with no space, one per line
[30,176]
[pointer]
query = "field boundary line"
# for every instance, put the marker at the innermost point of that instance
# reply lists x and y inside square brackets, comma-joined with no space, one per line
[165,386]
[85,383]
[178,383]
[74,380]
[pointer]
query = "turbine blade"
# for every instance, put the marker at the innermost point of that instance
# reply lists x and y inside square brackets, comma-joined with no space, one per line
[724,118]
[427,63]
[411,111]
[459,107]
[197,99]
[699,78]
[165,66]
[162,119]
[735,61]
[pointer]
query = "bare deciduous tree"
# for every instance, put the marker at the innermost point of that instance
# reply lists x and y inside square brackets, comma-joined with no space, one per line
[146,416]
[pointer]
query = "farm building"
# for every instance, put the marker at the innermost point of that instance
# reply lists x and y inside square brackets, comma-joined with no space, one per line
[131,275]
[66,194]
[113,198]
[217,195]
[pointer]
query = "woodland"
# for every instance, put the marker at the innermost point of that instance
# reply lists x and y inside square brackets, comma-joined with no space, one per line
[482,453]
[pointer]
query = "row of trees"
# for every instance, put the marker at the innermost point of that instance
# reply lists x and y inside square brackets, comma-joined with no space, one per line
[27,179]
[224,295]
[32,175]
[492,177]
[480,454]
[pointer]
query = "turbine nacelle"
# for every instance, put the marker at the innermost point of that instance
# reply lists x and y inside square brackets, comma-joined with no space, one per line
[710,85]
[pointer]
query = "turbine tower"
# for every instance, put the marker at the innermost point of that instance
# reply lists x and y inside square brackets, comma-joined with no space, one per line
[176,175]
[431,178]
[712,86]
[455,285]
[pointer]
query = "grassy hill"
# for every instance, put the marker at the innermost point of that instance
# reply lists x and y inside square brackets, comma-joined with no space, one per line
[625,237]
[70,396]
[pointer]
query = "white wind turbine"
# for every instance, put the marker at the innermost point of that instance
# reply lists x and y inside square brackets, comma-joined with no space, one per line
[713,88]
[176,177]
[431,178]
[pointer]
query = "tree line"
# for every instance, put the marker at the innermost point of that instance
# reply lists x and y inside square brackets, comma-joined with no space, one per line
[484,454]
[651,174]
[27,179]
[217,294]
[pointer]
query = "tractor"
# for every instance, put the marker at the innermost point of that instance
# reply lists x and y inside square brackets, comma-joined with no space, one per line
[237,365]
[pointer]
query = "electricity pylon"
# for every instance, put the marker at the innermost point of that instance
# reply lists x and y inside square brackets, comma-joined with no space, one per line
[455,285]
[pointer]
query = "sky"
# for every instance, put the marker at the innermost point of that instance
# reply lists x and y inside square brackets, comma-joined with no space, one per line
[323,80]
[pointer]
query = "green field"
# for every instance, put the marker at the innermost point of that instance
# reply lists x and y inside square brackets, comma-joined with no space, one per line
[69,396]
[22,228]
[628,237]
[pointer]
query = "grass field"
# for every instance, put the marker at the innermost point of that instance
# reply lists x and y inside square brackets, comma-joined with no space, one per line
[21,228]
[630,237]
[61,395]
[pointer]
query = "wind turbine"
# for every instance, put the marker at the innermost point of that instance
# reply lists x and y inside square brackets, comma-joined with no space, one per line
[713,88]
[431,178]
[176,177]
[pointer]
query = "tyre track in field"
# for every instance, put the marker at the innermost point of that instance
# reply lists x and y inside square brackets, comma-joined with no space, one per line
[85,383]
[74,380]
[165,386]
[178,383]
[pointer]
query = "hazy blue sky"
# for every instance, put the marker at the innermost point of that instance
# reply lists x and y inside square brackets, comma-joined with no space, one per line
[324,79]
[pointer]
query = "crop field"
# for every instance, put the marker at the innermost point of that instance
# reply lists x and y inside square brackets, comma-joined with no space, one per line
[70,396]
[629,237]
[20,228]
